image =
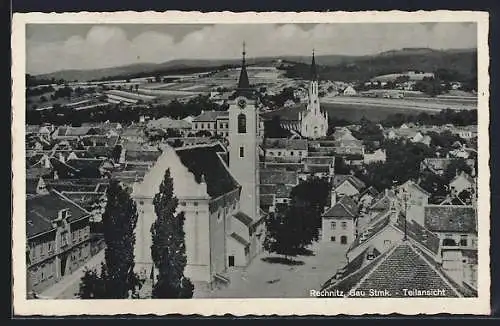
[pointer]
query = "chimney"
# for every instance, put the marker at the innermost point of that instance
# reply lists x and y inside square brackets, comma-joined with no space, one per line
[46,161]
[333,198]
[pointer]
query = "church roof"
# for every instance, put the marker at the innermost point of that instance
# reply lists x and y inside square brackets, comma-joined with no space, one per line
[203,160]
[244,88]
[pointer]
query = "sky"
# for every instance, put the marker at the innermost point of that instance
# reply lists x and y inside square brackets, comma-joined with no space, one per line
[54,47]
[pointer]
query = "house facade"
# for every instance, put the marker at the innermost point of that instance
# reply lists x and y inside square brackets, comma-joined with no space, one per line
[339,222]
[58,234]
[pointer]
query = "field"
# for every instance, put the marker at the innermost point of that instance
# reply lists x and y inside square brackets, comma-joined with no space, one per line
[353,111]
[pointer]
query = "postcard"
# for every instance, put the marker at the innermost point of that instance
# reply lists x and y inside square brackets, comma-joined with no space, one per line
[251,163]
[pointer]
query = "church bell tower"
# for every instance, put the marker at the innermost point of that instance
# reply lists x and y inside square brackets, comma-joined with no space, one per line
[243,142]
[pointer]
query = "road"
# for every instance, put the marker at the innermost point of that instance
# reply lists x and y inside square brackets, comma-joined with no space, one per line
[69,285]
[433,105]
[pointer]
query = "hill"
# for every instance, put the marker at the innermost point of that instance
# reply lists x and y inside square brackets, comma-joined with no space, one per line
[463,62]
[335,67]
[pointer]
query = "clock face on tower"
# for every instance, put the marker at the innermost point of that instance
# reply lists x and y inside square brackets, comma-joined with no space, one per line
[242,103]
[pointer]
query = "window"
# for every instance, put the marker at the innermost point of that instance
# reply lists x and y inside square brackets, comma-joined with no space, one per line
[242,151]
[387,242]
[333,225]
[50,247]
[300,153]
[344,225]
[463,240]
[332,239]
[183,203]
[195,203]
[291,153]
[271,153]
[279,153]
[242,123]
[64,239]
[202,126]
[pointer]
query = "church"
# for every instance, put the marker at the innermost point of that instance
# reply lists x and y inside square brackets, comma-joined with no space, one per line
[218,191]
[312,123]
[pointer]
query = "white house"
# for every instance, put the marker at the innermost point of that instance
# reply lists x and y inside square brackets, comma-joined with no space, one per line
[461,182]
[349,91]
[339,222]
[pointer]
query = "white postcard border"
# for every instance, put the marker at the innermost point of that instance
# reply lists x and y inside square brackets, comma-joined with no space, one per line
[239,307]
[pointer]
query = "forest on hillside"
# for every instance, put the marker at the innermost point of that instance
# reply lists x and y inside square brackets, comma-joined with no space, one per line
[462,63]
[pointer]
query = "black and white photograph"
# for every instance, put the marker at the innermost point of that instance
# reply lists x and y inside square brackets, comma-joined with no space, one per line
[331,161]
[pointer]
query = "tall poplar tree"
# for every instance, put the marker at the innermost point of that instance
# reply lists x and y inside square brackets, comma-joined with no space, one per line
[168,248]
[117,275]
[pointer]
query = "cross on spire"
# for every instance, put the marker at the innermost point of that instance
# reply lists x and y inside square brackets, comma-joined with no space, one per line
[243,82]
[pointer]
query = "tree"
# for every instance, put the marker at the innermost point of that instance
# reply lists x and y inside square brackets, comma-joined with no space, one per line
[309,199]
[168,249]
[116,153]
[283,232]
[455,167]
[273,128]
[117,277]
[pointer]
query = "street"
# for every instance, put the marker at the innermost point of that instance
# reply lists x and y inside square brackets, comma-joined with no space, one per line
[67,287]
[262,279]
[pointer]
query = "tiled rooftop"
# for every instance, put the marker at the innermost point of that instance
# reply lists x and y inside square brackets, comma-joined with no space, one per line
[404,268]
[344,208]
[205,160]
[268,176]
[338,179]
[289,144]
[450,218]
[419,233]
[41,210]
[211,116]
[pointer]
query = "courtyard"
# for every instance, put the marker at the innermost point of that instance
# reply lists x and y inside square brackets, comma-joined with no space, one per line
[267,277]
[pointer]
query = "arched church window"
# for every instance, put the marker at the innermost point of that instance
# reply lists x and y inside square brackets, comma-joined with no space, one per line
[242,123]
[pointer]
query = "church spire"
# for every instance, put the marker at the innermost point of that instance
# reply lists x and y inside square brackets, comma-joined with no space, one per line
[243,83]
[314,74]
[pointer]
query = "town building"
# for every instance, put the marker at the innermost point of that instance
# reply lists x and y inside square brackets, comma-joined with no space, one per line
[58,238]
[412,198]
[349,91]
[214,122]
[402,271]
[345,185]
[462,182]
[378,155]
[456,227]
[339,222]
[181,126]
[285,150]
